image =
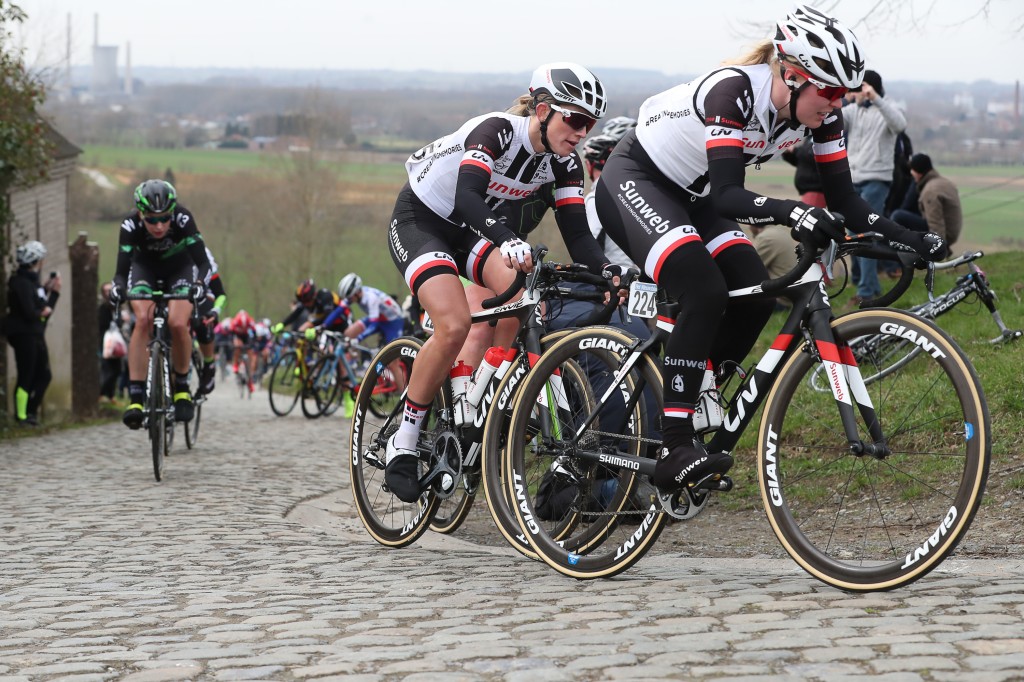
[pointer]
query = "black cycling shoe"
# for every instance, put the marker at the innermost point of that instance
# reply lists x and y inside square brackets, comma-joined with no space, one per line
[402,473]
[688,465]
[184,409]
[207,378]
[133,416]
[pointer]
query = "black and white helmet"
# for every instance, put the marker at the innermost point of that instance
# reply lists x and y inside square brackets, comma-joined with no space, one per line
[598,148]
[30,252]
[348,285]
[618,126]
[821,47]
[570,83]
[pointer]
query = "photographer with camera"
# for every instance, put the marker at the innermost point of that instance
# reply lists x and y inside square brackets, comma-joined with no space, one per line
[30,304]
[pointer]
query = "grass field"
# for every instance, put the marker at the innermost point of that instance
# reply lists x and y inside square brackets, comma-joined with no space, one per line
[367,183]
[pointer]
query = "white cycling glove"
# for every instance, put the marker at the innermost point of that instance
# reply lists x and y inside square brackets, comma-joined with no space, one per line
[515,249]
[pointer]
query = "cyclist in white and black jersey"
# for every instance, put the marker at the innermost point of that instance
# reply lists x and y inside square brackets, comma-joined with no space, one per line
[383,314]
[673,190]
[444,225]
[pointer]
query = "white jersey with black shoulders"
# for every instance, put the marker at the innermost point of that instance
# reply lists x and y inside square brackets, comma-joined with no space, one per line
[727,107]
[464,176]
[701,135]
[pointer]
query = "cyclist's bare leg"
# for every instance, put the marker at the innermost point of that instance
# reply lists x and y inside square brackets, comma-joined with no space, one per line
[179,315]
[236,354]
[483,336]
[443,298]
[138,352]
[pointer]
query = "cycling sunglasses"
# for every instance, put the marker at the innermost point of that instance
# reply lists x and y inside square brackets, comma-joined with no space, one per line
[575,119]
[157,219]
[829,92]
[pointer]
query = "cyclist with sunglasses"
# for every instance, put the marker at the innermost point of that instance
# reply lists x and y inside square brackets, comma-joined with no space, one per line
[444,225]
[673,190]
[159,241]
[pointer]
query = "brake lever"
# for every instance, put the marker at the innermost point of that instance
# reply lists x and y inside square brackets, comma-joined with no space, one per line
[929,281]
[828,259]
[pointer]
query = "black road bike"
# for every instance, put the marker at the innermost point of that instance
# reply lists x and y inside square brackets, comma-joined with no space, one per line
[159,408]
[451,453]
[867,486]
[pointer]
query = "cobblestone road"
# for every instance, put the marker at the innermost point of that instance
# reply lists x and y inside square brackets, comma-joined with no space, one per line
[247,562]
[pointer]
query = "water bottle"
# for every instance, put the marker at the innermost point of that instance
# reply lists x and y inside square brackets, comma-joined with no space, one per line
[506,362]
[708,414]
[460,376]
[482,379]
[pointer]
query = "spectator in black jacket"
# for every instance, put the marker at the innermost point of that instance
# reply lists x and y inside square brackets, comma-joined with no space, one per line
[30,305]
[806,178]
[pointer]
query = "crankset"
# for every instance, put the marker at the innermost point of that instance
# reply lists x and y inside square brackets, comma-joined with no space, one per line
[445,465]
[690,501]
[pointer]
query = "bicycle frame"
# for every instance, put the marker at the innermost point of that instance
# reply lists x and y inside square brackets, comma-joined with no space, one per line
[529,311]
[808,324]
[972,282]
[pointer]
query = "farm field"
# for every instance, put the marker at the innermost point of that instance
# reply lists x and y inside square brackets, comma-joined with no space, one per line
[363,185]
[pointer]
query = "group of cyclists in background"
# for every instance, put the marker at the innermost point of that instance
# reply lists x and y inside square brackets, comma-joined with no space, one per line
[161,249]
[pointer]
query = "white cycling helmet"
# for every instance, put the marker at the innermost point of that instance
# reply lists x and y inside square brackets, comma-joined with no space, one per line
[348,285]
[618,126]
[30,252]
[821,47]
[570,83]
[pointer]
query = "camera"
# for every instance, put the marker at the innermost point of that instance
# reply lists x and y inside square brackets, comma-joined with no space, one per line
[53,274]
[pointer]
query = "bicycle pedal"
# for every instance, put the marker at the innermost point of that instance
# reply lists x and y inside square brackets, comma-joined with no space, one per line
[712,482]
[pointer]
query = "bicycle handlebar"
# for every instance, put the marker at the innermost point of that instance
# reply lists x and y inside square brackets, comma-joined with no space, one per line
[962,260]
[571,272]
[871,244]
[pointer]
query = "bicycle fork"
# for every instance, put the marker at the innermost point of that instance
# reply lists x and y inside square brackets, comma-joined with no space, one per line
[847,386]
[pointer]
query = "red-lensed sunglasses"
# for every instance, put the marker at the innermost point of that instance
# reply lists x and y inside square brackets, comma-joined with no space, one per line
[576,120]
[829,92]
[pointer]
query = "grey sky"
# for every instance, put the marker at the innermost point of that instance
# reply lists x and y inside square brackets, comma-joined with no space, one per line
[929,40]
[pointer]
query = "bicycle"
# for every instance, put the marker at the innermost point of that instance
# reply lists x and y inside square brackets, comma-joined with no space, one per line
[243,379]
[158,413]
[859,512]
[333,377]
[450,450]
[288,375]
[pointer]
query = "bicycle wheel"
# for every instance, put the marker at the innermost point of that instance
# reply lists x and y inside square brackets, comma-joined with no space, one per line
[585,519]
[285,384]
[864,523]
[192,427]
[389,521]
[158,405]
[499,415]
[385,391]
[321,387]
[242,378]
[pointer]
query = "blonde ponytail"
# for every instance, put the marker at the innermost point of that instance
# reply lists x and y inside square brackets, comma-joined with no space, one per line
[760,53]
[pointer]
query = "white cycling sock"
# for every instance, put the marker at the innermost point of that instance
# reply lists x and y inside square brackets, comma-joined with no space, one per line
[409,429]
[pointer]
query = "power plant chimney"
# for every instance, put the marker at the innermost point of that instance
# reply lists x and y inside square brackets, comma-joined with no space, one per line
[67,63]
[96,30]
[128,69]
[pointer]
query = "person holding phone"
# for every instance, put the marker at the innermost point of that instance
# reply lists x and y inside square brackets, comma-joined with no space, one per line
[30,305]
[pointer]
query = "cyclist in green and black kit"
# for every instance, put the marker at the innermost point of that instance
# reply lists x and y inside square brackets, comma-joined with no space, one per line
[159,242]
